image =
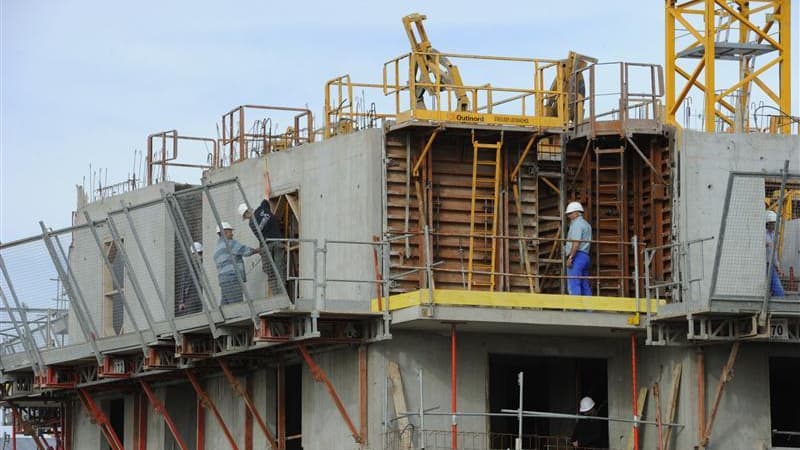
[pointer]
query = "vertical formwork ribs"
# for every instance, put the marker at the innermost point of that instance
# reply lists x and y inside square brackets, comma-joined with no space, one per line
[609,218]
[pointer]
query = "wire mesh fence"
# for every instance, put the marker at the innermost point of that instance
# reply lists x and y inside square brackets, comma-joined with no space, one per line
[759,237]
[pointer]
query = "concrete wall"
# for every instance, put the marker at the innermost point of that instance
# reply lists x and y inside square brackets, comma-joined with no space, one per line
[339,182]
[705,164]
[85,259]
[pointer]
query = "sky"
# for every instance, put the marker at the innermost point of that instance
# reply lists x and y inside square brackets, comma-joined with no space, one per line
[82,83]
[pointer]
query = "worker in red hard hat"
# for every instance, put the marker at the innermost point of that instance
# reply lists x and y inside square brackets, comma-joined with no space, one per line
[588,433]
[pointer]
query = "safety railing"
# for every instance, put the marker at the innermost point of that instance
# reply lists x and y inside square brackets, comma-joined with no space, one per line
[424,426]
[601,104]
[683,280]
[347,110]
[166,154]
[443,97]
[135,273]
[441,260]
[264,135]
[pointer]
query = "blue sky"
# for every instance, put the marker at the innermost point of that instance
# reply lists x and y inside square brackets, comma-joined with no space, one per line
[84,82]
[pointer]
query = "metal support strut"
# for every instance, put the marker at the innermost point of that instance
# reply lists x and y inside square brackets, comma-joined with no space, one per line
[319,375]
[101,420]
[237,387]
[159,408]
[208,403]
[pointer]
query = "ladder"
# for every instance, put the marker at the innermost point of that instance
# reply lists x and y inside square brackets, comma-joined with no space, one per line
[486,174]
[609,210]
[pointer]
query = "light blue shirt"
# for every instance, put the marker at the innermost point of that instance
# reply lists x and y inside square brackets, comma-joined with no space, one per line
[228,262]
[579,230]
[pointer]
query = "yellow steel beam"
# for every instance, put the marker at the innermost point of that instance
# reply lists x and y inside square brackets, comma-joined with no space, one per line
[709,56]
[522,300]
[669,42]
[689,27]
[744,22]
[425,151]
[785,104]
[690,81]
[767,90]
[700,86]
[528,146]
[749,77]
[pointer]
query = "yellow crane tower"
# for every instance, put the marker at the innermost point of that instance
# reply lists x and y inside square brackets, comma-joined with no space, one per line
[708,41]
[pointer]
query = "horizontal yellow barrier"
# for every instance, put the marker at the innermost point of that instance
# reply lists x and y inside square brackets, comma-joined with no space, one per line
[514,300]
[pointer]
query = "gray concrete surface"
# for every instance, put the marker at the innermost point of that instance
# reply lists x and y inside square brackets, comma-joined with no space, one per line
[705,164]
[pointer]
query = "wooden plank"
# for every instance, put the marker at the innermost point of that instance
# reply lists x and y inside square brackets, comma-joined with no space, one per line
[639,412]
[673,402]
[399,398]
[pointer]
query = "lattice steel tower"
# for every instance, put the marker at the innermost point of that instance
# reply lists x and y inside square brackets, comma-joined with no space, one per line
[734,54]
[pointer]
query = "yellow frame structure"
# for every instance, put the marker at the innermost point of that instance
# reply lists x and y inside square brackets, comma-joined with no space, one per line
[700,30]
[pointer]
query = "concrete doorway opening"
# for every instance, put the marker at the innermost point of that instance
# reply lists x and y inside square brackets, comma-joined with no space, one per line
[294,407]
[551,384]
[784,392]
[115,410]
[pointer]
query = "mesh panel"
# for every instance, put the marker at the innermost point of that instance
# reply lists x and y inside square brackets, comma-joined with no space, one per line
[742,260]
[30,280]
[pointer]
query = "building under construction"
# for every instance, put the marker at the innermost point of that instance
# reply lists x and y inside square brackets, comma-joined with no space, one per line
[420,301]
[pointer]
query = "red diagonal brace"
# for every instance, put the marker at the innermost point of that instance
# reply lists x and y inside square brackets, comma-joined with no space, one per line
[210,404]
[159,408]
[319,375]
[26,428]
[248,402]
[101,420]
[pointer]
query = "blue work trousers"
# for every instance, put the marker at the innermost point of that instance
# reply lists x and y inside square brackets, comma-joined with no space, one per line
[580,268]
[776,288]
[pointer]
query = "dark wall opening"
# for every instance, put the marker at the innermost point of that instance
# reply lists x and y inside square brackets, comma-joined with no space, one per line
[294,407]
[784,392]
[550,385]
[116,417]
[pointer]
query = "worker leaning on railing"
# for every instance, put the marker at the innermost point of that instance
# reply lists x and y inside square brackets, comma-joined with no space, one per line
[229,263]
[577,251]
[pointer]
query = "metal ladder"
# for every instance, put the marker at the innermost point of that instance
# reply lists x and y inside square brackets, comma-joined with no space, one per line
[609,219]
[485,188]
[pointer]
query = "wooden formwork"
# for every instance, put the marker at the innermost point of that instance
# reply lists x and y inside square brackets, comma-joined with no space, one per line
[440,198]
[622,193]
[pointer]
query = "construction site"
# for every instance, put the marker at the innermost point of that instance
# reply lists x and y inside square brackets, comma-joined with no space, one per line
[418,295]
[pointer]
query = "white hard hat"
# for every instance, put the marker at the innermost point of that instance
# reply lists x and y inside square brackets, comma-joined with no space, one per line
[772,217]
[586,404]
[197,247]
[225,226]
[243,209]
[574,206]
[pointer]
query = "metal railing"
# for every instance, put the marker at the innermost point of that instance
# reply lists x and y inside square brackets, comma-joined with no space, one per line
[401,96]
[636,97]
[239,139]
[134,272]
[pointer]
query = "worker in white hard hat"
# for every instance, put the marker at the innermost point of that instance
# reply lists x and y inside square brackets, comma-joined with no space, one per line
[577,251]
[269,225]
[589,433]
[776,288]
[228,257]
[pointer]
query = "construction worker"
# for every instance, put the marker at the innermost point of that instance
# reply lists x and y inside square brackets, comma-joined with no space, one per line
[189,299]
[588,433]
[270,226]
[577,251]
[229,263]
[776,288]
